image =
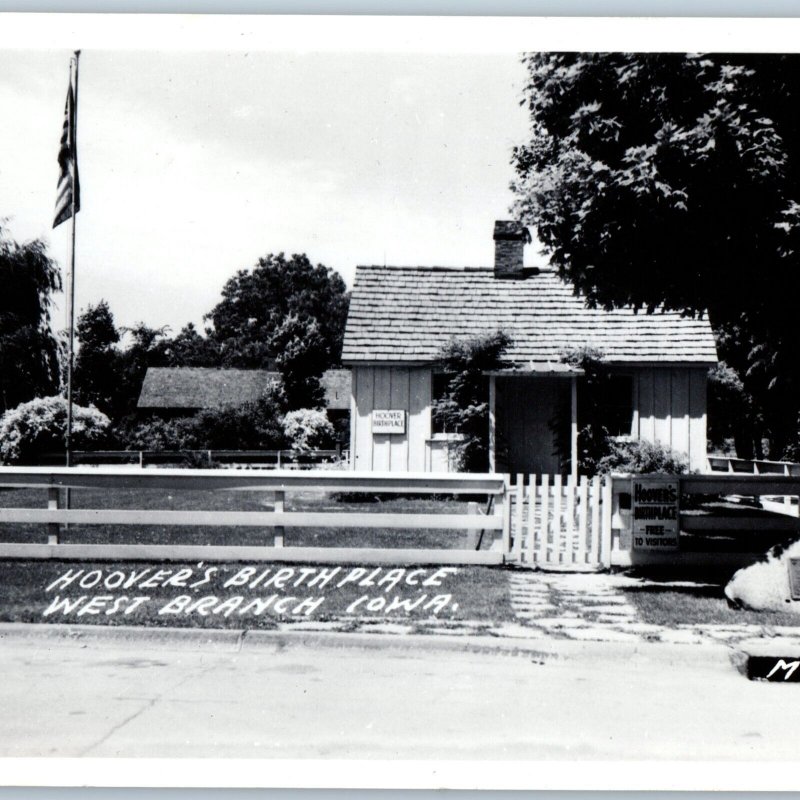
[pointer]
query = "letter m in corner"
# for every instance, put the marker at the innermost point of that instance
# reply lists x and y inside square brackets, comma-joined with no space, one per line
[773,669]
[789,668]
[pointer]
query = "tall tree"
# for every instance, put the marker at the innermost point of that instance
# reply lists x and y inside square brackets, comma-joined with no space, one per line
[256,305]
[671,180]
[192,349]
[147,348]
[301,357]
[97,368]
[29,350]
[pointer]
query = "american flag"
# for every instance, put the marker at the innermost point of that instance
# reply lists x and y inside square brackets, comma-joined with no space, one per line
[68,185]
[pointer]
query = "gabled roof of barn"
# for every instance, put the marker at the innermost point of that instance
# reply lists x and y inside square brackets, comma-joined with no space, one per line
[192,388]
[407,315]
[202,387]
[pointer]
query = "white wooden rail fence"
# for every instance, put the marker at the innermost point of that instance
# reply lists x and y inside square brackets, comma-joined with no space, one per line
[768,519]
[751,466]
[276,483]
[535,521]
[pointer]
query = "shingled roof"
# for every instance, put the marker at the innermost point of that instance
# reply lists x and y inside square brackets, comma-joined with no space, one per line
[202,387]
[192,388]
[407,314]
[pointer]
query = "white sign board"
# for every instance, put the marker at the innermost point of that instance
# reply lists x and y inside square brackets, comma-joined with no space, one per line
[655,512]
[388,421]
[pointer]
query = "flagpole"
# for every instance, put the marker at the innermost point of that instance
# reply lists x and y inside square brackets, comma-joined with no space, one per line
[71,283]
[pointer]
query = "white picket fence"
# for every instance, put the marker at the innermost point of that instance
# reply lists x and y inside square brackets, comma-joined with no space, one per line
[557,523]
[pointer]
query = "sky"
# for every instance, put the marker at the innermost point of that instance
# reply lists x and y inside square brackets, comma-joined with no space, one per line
[194,164]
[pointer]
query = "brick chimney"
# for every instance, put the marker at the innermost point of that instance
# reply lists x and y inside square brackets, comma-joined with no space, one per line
[510,239]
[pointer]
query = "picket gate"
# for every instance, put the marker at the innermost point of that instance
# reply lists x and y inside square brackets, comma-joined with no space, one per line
[559,523]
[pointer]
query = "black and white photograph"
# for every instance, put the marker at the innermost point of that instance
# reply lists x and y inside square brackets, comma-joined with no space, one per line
[417,394]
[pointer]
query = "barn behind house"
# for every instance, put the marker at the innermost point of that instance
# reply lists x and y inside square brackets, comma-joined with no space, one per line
[179,391]
[401,318]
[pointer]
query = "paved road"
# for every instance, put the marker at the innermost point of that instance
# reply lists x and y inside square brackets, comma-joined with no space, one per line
[151,699]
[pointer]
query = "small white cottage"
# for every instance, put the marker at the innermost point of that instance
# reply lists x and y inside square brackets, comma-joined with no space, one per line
[401,317]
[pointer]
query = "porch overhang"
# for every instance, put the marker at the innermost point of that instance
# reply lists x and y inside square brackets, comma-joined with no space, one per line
[537,369]
[550,369]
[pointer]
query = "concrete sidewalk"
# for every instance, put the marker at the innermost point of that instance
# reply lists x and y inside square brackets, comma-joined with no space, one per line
[218,640]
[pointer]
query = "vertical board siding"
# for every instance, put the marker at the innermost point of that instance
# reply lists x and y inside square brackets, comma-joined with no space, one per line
[697,418]
[365,400]
[671,410]
[403,388]
[353,418]
[382,442]
[399,398]
[670,407]
[419,417]
[646,406]
[662,406]
[680,411]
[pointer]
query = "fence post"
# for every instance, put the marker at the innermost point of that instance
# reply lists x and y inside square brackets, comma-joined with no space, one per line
[520,501]
[506,516]
[530,527]
[544,515]
[596,503]
[53,503]
[605,542]
[471,538]
[558,519]
[569,520]
[280,500]
[582,549]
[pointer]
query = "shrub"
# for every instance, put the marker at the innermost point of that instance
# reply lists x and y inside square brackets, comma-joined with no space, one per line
[252,426]
[732,413]
[641,457]
[308,429]
[40,425]
[464,406]
[158,434]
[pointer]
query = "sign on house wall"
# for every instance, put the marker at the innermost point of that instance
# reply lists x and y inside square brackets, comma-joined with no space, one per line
[656,512]
[388,421]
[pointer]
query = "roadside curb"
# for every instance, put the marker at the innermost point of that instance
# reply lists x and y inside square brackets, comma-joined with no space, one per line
[774,660]
[234,641]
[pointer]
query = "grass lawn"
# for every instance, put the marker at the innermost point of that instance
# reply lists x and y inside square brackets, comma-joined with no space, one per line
[700,604]
[36,591]
[474,593]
